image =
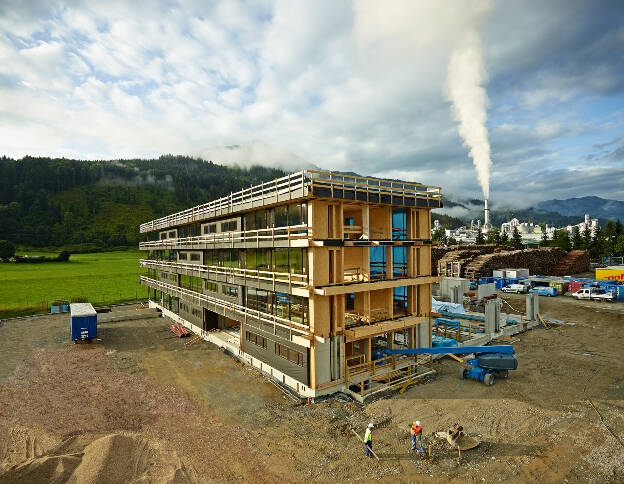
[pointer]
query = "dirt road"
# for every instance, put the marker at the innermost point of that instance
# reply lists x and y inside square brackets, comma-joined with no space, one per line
[189,413]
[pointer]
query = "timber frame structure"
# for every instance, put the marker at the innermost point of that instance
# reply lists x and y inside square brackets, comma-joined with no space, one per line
[305,277]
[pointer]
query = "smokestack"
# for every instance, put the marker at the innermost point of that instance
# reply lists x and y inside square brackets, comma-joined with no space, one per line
[487,216]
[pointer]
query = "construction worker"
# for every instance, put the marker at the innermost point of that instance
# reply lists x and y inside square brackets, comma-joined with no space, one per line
[368,440]
[416,432]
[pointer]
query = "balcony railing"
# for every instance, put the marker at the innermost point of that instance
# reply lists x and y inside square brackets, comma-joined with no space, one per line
[242,311]
[284,185]
[208,271]
[270,191]
[292,232]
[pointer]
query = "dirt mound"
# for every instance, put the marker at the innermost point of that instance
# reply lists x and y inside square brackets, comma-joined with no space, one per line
[120,457]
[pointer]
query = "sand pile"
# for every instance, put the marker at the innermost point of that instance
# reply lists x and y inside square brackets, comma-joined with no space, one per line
[87,420]
[120,457]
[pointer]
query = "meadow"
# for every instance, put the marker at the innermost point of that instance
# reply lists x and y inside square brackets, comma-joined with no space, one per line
[102,278]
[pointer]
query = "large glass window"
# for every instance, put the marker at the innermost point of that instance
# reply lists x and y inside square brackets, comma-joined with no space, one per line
[282,305]
[399,301]
[377,262]
[250,259]
[399,261]
[281,260]
[298,309]
[281,216]
[263,259]
[399,224]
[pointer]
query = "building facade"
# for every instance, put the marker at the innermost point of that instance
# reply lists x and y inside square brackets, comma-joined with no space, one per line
[307,277]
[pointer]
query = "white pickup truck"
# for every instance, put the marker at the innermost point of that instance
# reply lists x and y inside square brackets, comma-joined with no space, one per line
[593,293]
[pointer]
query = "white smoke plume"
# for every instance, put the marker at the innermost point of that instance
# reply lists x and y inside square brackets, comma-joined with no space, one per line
[464,88]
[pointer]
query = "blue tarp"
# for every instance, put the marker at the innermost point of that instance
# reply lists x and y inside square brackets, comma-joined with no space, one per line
[448,307]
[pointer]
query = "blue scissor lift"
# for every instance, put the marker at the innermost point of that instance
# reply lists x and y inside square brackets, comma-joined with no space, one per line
[486,362]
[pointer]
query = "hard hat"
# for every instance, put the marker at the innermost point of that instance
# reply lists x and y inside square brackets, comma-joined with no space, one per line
[370,426]
[418,423]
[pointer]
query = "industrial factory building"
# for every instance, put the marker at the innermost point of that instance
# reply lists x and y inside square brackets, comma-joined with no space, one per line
[305,277]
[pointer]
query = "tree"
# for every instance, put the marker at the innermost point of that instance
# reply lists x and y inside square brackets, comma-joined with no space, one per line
[493,237]
[562,240]
[544,242]
[587,238]
[480,240]
[619,246]
[7,250]
[609,237]
[577,240]
[452,241]
[439,235]
[516,239]
[597,245]
[504,238]
[619,229]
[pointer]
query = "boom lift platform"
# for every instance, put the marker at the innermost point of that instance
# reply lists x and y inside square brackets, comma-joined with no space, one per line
[483,363]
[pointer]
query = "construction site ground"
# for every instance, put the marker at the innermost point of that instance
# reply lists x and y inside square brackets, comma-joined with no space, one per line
[141,405]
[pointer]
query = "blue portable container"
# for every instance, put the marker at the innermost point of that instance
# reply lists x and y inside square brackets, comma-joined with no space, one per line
[544,290]
[83,321]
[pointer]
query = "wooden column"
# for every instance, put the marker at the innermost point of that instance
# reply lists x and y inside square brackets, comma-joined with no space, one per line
[366,221]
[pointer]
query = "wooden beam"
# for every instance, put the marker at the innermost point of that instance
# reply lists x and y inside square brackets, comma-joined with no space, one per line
[383,327]
[372,286]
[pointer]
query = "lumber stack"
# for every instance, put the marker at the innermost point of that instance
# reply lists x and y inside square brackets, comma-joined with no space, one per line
[461,253]
[538,261]
[575,262]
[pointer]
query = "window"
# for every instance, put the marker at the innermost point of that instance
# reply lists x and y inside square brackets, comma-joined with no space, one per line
[195,257]
[256,339]
[211,286]
[228,226]
[350,301]
[289,354]
[210,229]
[231,291]
[172,234]
[281,216]
[182,256]
[299,309]
[163,236]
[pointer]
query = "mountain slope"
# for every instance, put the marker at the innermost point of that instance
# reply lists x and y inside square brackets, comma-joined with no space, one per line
[99,204]
[596,207]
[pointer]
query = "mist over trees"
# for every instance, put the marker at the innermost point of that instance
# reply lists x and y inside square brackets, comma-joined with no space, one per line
[90,205]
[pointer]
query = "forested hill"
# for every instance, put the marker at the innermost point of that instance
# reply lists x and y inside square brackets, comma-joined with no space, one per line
[99,204]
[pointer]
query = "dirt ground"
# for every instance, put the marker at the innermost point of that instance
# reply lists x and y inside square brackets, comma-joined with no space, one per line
[142,406]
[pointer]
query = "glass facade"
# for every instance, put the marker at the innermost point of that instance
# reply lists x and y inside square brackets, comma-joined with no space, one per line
[280,304]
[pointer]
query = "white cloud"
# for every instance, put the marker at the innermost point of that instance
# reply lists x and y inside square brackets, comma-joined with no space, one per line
[354,86]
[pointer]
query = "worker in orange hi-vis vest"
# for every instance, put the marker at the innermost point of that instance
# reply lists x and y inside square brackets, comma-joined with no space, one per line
[416,432]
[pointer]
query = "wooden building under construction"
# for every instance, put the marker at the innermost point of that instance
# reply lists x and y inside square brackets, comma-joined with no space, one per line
[307,278]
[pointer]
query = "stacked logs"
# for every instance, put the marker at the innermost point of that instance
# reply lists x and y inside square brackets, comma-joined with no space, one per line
[462,253]
[576,262]
[539,261]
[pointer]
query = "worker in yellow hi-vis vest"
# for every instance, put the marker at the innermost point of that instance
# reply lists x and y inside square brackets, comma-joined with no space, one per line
[368,440]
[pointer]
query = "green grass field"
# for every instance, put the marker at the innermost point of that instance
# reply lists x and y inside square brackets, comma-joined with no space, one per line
[103,278]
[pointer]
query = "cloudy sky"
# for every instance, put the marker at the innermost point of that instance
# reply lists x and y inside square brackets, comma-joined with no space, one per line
[357,86]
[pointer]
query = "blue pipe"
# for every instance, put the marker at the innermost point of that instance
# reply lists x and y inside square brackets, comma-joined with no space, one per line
[455,350]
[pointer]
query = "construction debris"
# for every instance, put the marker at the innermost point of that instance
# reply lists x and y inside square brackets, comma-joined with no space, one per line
[456,438]
[179,330]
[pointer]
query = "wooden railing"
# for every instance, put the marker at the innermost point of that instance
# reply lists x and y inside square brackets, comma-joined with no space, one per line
[230,203]
[291,232]
[384,370]
[208,271]
[285,186]
[242,311]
